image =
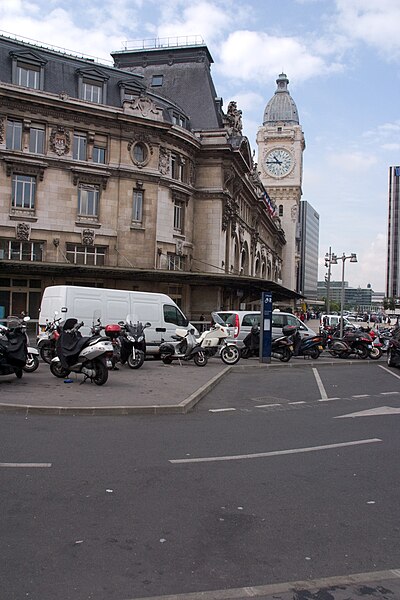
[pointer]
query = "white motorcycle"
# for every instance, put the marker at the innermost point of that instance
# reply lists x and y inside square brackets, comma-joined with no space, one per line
[78,354]
[215,341]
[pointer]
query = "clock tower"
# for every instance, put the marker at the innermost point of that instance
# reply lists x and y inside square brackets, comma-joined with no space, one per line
[281,144]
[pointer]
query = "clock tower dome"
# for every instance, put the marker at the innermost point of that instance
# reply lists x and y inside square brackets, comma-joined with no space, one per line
[280,142]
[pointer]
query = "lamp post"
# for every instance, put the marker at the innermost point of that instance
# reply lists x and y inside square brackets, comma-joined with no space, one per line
[343,258]
[328,263]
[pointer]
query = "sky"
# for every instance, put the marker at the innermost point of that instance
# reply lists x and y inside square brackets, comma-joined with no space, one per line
[342,59]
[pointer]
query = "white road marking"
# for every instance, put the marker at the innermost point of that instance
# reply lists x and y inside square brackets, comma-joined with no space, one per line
[221,409]
[274,453]
[373,412]
[299,402]
[320,385]
[361,396]
[389,393]
[266,405]
[27,465]
[389,371]
[327,399]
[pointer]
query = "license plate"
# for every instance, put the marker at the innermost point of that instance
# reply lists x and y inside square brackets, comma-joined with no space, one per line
[369,346]
[320,347]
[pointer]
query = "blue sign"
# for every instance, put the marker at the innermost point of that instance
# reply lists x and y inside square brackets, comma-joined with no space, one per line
[266,327]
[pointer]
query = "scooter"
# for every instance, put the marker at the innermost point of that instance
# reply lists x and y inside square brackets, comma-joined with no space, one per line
[78,354]
[186,347]
[353,342]
[47,339]
[214,341]
[32,360]
[13,348]
[393,353]
[311,346]
[281,347]
[132,343]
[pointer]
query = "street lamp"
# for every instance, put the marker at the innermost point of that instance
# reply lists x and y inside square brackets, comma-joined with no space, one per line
[343,258]
[328,263]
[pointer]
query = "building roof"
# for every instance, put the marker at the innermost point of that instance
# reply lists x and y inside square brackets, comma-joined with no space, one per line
[186,79]
[281,108]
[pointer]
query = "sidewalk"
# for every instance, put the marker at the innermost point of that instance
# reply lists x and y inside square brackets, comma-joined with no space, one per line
[155,388]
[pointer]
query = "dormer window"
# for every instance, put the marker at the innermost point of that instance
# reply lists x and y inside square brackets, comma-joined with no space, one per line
[92,85]
[28,69]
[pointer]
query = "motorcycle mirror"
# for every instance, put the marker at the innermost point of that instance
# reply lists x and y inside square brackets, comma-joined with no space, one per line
[147,324]
[26,319]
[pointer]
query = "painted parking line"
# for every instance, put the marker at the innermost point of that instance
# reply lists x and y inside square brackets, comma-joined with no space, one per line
[389,393]
[389,371]
[299,402]
[26,465]
[324,395]
[267,405]
[274,453]
[216,410]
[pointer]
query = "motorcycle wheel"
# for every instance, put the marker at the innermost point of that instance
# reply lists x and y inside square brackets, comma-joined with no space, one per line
[375,353]
[363,351]
[230,355]
[390,361]
[314,353]
[200,359]
[32,363]
[58,371]
[46,353]
[286,355]
[101,375]
[137,362]
[167,360]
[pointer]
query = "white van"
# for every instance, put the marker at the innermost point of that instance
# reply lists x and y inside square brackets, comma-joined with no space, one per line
[87,304]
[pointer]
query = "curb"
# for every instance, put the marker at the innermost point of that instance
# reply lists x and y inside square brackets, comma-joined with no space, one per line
[162,409]
[156,409]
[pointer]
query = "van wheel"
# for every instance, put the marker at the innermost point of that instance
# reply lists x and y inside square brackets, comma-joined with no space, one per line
[230,355]
[137,362]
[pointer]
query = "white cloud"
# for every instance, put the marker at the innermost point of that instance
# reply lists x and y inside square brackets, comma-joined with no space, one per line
[374,22]
[253,55]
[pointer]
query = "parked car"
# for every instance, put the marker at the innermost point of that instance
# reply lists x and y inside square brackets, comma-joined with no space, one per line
[334,321]
[241,322]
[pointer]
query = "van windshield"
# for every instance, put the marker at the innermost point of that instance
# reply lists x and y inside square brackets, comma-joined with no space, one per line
[172,314]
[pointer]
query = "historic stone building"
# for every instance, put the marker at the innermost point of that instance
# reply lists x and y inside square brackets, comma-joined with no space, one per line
[109,179]
[280,154]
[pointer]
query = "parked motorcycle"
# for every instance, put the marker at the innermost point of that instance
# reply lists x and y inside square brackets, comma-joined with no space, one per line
[132,343]
[355,342]
[47,339]
[393,353]
[78,354]
[215,341]
[310,346]
[13,347]
[186,347]
[32,360]
[281,347]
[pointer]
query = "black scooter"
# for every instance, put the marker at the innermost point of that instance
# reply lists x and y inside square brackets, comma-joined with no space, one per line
[133,343]
[281,347]
[14,348]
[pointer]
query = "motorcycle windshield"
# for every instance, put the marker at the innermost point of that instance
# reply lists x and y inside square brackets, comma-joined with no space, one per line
[217,319]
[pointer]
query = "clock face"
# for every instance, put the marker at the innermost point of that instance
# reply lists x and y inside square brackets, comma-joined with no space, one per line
[278,162]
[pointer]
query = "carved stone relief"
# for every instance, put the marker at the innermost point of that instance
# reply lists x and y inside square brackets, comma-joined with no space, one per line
[23,232]
[163,163]
[60,140]
[88,237]
[2,129]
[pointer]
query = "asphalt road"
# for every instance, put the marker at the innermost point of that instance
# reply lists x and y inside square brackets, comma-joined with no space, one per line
[268,481]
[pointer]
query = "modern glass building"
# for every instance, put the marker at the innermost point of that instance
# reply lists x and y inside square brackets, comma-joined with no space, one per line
[393,251]
[309,247]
